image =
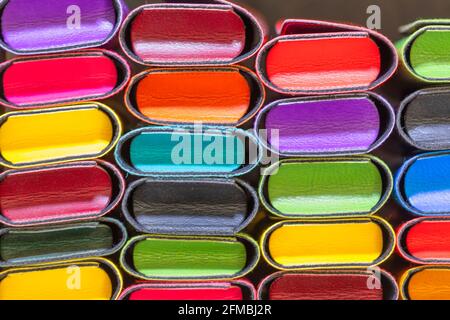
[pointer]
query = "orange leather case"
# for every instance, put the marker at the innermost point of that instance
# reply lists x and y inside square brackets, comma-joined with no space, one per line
[218,96]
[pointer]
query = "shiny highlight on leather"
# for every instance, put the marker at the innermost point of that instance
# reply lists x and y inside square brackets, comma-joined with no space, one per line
[177,258]
[323,64]
[424,51]
[190,206]
[212,32]
[51,80]
[44,26]
[303,244]
[425,240]
[333,187]
[188,151]
[28,246]
[220,95]
[224,291]
[423,119]
[426,283]
[96,279]
[326,125]
[356,284]
[422,184]
[312,57]
[55,135]
[33,196]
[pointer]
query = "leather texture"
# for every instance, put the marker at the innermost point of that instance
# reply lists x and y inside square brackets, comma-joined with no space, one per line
[223,290]
[422,184]
[348,124]
[311,57]
[426,283]
[46,29]
[194,206]
[78,132]
[305,244]
[327,64]
[171,258]
[187,151]
[326,125]
[98,278]
[186,33]
[423,51]
[33,196]
[425,240]
[324,286]
[157,257]
[424,119]
[226,293]
[53,243]
[220,95]
[338,187]
[40,81]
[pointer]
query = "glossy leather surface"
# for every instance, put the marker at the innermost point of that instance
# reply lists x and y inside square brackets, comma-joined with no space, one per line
[23,245]
[153,151]
[427,240]
[52,283]
[46,29]
[427,283]
[323,126]
[325,188]
[425,119]
[324,286]
[31,82]
[428,54]
[190,206]
[323,64]
[426,184]
[34,195]
[187,35]
[183,258]
[58,134]
[321,57]
[326,243]
[215,96]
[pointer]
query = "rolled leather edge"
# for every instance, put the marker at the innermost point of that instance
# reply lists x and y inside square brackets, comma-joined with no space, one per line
[122,67]
[256,24]
[398,184]
[244,284]
[252,257]
[112,170]
[381,103]
[118,230]
[384,170]
[389,280]
[121,12]
[251,113]
[250,215]
[112,270]
[339,27]
[388,248]
[128,168]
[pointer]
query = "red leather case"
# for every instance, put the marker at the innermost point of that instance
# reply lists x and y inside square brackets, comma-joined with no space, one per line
[60,193]
[180,33]
[425,240]
[51,80]
[241,289]
[356,284]
[316,57]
